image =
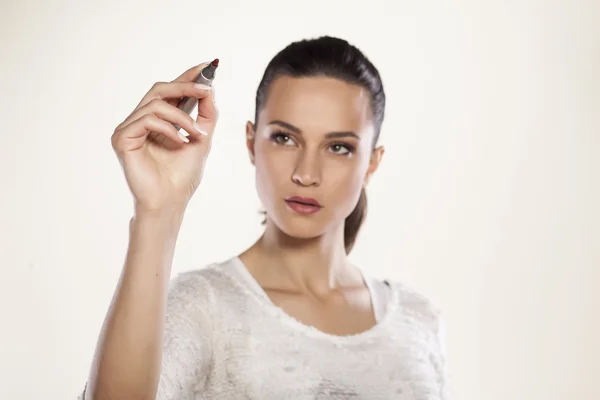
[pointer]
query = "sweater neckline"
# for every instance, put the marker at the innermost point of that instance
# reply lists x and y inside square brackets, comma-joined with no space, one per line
[252,288]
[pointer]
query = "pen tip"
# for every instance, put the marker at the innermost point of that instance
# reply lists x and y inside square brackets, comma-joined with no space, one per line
[215,62]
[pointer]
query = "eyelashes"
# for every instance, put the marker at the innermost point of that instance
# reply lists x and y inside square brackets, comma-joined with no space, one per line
[338,148]
[346,148]
[281,138]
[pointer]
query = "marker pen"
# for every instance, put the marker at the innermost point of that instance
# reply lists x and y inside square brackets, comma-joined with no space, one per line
[206,77]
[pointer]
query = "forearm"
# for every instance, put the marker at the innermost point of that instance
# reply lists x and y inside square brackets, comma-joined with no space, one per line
[128,354]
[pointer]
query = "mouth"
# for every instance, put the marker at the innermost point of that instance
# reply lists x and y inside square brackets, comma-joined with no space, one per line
[303,205]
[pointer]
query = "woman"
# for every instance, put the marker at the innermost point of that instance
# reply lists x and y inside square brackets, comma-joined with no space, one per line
[290,317]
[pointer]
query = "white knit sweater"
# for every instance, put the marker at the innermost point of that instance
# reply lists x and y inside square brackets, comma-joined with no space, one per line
[224,339]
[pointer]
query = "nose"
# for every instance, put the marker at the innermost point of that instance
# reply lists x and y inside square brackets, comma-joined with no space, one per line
[308,170]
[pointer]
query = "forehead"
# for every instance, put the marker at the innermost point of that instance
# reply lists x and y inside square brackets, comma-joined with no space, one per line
[318,103]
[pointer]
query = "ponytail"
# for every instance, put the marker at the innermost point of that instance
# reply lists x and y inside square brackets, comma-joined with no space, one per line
[354,221]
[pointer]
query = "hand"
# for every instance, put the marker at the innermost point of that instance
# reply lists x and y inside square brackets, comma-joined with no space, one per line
[163,168]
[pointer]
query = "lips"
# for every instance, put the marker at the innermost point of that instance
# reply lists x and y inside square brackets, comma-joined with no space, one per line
[304,200]
[303,205]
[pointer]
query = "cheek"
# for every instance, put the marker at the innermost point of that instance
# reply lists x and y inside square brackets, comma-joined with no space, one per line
[341,181]
[271,172]
[344,183]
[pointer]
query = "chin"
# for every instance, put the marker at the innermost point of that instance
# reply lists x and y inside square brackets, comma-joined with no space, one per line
[298,231]
[300,226]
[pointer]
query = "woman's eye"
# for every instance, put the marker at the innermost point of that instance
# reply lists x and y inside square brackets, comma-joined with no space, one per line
[341,149]
[282,139]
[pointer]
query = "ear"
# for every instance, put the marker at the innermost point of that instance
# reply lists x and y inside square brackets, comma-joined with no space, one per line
[376,157]
[250,131]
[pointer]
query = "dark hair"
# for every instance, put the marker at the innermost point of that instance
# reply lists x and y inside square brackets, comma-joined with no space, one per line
[336,58]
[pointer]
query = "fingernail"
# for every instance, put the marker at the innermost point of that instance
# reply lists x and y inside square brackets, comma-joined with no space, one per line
[183,132]
[199,129]
[202,86]
[183,137]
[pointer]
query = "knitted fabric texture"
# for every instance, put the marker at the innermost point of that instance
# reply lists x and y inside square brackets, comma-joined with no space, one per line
[225,340]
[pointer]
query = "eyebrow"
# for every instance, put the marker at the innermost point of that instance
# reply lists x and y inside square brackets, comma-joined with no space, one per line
[299,132]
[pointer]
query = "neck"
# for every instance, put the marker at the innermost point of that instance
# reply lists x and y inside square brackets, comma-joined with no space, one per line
[305,265]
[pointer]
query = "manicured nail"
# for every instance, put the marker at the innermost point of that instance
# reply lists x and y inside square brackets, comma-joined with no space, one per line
[199,129]
[183,132]
[182,137]
[202,86]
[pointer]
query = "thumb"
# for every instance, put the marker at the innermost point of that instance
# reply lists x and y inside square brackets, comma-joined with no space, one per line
[207,106]
[208,115]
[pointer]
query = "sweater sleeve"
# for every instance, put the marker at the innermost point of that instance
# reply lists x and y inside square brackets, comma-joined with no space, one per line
[439,356]
[187,352]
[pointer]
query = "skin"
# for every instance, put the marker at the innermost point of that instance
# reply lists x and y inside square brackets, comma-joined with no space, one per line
[300,261]
[162,170]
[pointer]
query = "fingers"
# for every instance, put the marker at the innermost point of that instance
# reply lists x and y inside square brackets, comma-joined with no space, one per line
[191,74]
[157,113]
[133,136]
[168,113]
[174,91]
[207,109]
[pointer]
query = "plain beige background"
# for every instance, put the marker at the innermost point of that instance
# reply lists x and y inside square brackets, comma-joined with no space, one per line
[487,200]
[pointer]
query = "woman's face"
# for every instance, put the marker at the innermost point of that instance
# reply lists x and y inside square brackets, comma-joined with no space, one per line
[313,153]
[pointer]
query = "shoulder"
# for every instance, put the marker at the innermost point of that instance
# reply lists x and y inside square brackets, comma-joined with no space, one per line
[416,306]
[198,287]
